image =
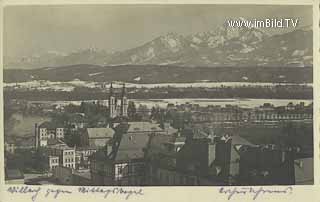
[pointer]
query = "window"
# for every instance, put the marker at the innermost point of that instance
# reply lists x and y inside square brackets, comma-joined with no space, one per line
[120,170]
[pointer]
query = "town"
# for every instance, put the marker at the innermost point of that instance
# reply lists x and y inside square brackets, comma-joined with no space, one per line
[116,143]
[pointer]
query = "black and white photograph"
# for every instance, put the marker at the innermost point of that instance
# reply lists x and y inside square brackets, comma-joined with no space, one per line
[158,95]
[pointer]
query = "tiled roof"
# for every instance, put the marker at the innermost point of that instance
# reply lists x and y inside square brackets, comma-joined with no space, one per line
[131,146]
[132,138]
[100,132]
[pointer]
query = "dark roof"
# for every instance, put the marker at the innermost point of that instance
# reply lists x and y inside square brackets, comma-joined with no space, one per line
[100,132]
[76,118]
[157,143]
[131,139]
[12,174]
[50,125]
[54,142]
[131,146]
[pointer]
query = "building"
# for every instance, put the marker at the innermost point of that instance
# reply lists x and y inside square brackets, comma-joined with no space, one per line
[9,145]
[63,175]
[266,165]
[53,162]
[235,156]
[96,137]
[118,106]
[48,130]
[234,114]
[76,121]
[83,157]
[65,154]
[179,160]
[124,163]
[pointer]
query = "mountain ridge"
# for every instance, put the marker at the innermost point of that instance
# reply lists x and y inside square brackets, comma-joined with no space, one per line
[215,48]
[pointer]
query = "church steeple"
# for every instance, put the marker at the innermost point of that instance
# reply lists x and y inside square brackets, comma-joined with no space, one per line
[124,102]
[111,90]
[112,103]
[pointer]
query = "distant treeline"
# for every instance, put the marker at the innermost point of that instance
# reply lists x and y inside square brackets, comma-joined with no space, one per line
[278,92]
[162,74]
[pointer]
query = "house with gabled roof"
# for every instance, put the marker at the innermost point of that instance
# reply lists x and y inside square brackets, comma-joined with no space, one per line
[96,137]
[125,163]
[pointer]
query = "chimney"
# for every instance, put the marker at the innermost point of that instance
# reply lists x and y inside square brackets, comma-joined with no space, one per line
[36,135]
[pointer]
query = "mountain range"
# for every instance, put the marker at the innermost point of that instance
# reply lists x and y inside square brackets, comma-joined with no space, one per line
[223,47]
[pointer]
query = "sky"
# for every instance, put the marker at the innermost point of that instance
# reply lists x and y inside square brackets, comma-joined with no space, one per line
[35,30]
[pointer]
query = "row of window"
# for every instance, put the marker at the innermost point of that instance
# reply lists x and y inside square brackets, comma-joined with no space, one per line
[69,165]
[68,160]
[68,153]
[54,160]
[54,167]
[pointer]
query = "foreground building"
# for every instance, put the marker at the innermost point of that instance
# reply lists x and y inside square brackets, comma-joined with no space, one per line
[177,160]
[123,162]
[64,154]
[266,165]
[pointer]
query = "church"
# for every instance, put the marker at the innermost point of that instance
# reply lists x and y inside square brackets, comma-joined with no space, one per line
[118,105]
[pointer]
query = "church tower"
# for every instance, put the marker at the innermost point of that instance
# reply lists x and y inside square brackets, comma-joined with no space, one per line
[124,102]
[112,103]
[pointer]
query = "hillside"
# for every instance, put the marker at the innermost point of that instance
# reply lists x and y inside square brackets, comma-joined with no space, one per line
[162,74]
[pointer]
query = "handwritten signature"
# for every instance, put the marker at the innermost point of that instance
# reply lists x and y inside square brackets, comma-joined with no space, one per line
[254,191]
[55,193]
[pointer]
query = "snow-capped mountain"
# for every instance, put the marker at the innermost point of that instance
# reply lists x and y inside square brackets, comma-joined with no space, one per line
[217,48]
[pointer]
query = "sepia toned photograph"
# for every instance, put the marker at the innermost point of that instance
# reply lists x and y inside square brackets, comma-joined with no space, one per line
[158,95]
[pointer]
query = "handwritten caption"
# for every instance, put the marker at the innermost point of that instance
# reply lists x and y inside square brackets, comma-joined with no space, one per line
[127,193]
[35,192]
[253,192]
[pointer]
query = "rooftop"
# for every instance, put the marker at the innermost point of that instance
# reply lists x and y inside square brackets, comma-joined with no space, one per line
[100,132]
[50,125]
[143,126]
[131,146]
[54,142]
